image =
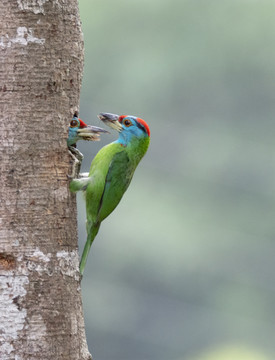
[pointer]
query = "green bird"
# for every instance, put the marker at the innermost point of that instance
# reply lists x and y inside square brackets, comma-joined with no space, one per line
[111,172]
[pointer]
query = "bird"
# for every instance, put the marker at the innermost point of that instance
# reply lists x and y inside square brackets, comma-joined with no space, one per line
[78,130]
[111,172]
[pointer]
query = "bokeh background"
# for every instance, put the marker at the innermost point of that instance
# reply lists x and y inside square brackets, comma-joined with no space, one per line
[184,267]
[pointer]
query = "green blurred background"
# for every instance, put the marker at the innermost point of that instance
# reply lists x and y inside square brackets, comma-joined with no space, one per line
[184,267]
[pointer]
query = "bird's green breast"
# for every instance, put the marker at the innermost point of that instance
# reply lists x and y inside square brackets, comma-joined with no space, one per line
[111,173]
[137,148]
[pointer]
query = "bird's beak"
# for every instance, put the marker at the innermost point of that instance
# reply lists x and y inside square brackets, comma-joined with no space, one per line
[90,132]
[111,120]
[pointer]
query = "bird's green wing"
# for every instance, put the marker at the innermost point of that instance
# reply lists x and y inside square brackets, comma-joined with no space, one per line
[118,178]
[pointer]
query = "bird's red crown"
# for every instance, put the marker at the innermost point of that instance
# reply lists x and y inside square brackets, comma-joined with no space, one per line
[82,123]
[141,121]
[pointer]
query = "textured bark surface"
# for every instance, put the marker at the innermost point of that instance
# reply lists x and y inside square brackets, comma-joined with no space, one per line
[40,76]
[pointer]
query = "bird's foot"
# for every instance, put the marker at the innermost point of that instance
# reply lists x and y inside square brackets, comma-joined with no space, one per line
[77,157]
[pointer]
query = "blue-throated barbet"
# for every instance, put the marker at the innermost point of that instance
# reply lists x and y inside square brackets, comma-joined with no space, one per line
[111,172]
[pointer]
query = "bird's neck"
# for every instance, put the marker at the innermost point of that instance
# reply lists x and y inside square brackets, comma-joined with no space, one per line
[136,147]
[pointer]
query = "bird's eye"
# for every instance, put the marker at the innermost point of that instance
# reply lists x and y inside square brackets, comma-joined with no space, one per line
[127,122]
[73,123]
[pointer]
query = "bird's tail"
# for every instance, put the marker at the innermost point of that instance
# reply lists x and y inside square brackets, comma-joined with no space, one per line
[93,230]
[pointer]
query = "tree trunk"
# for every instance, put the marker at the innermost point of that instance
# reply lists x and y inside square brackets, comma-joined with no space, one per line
[40,76]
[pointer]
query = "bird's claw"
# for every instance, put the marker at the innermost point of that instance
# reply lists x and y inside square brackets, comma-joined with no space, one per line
[77,157]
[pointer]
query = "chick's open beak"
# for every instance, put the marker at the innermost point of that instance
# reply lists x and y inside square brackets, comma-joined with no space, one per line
[111,120]
[90,132]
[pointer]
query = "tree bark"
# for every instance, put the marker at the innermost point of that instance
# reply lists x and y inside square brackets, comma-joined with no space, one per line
[40,76]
